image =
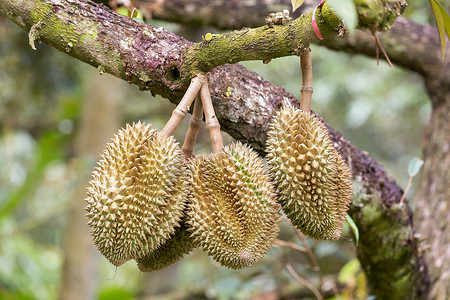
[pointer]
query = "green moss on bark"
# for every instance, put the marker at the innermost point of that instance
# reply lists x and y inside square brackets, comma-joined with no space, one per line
[390,271]
[261,43]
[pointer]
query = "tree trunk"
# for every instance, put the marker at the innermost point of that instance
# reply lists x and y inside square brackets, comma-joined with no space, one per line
[432,213]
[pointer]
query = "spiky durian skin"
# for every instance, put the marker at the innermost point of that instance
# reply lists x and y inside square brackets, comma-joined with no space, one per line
[137,193]
[344,189]
[233,213]
[168,253]
[311,178]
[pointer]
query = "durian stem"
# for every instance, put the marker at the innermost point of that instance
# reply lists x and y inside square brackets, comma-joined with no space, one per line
[307,81]
[182,108]
[212,124]
[194,126]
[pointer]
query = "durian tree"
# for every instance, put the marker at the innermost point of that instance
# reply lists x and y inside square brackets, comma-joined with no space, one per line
[402,259]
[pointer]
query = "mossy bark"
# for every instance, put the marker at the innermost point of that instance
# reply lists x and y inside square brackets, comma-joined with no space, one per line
[262,43]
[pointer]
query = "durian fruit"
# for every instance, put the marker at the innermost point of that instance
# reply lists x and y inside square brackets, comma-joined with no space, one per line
[168,253]
[311,178]
[233,213]
[344,193]
[137,193]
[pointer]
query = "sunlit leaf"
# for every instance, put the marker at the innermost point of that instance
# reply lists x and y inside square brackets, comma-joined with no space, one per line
[123,11]
[414,166]
[442,22]
[354,228]
[346,10]
[296,4]
[349,270]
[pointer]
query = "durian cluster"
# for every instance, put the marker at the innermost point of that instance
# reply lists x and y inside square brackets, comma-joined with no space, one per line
[147,202]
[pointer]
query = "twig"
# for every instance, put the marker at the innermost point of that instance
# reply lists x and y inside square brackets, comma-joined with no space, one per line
[378,45]
[182,108]
[290,245]
[194,126]
[212,124]
[406,190]
[307,81]
[304,282]
[315,262]
[311,255]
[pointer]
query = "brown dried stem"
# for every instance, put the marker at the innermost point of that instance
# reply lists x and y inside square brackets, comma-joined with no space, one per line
[307,81]
[212,124]
[378,45]
[304,281]
[311,256]
[290,245]
[182,108]
[194,126]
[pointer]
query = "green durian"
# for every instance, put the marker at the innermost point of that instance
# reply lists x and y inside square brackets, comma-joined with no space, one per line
[137,193]
[168,253]
[233,214]
[311,178]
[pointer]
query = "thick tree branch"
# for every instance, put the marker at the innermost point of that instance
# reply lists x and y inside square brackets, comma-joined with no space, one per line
[410,45]
[152,58]
[375,15]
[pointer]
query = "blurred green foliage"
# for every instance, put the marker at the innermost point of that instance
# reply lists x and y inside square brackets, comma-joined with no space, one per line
[381,110]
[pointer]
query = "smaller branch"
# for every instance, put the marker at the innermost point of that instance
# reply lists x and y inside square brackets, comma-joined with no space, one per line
[290,245]
[194,126]
[406,190]
[307,81]
[182,108]
[311,256]
[212,124]
[260,43]
[304,282]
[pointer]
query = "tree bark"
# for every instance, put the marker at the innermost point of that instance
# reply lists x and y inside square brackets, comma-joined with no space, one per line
[152,58]
[432,212]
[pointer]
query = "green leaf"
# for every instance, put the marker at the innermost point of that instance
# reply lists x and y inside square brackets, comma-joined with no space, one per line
[442,22]
[346,10]
[349,270]
[123,11]
[354,228]
[296,4]
[414,166]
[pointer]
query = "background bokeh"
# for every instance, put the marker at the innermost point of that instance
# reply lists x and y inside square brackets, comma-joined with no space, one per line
[44,97]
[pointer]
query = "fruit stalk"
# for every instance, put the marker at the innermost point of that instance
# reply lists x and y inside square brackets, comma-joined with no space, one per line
[182,108]
[194,126]
[307,81]
[212,124]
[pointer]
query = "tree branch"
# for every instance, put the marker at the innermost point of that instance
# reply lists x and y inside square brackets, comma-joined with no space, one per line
[262,43]
[152,58]
[404,42]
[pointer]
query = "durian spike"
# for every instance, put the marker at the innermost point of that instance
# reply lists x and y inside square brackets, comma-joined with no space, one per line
[307,81]
[182,108]
[194,126]
[212,124]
